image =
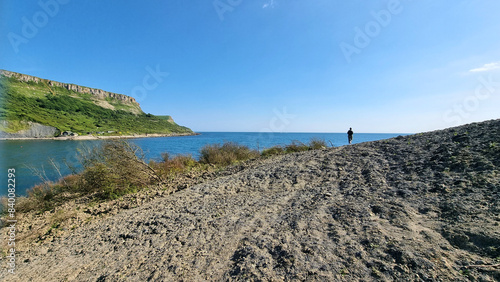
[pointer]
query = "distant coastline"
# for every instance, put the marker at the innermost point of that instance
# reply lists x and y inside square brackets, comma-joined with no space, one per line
[94,137]
[56,108]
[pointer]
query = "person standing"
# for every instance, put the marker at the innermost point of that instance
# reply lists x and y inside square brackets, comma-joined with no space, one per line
[349,135]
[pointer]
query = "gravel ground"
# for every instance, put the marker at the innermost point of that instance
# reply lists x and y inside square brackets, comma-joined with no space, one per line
[423,207]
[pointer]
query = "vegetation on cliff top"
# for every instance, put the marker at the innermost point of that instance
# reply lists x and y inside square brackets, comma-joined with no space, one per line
[68,110]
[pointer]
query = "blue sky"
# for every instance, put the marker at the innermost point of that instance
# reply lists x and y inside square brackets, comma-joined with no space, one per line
[262,65]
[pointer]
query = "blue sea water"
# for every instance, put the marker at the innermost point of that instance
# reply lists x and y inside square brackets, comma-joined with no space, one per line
[32,158]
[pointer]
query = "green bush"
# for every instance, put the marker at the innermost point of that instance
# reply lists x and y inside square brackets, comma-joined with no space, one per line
[178,164]
[115,168]
[276,150]
[317,143]
[296,146]
[46,196]
[42,197]
[226,154]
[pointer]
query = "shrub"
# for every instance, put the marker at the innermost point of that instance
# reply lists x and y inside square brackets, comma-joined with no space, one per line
[165,156]
[115,168]
[41,197]
[70,181]
[96,177]
[296,146]
[276,150]
[226,154]
[317,143]
[23,204]
[178,164]
[46,196]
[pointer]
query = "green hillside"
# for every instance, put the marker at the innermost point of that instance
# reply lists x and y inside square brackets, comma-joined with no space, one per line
[69,110]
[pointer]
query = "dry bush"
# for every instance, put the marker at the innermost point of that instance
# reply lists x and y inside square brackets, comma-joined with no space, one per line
[178,164]
[115,168]
[226,154]
[42,197]
[296,146]
[316,143]
[275,150]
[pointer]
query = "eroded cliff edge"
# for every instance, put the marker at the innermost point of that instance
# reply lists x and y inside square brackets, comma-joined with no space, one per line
[97,93]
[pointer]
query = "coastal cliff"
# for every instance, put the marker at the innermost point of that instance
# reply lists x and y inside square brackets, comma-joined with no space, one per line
[97,93]
[33,107]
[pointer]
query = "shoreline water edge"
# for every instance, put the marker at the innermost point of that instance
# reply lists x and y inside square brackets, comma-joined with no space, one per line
[94,137]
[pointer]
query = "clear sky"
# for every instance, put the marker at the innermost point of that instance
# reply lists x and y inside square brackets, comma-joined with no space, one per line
[262,65]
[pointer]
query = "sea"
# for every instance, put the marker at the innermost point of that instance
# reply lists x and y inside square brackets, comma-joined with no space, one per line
[36,161]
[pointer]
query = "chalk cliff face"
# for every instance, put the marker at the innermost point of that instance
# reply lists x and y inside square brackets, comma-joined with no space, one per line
[97,93]
[35,130]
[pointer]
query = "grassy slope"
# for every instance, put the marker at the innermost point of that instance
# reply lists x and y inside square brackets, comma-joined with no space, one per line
[69,110]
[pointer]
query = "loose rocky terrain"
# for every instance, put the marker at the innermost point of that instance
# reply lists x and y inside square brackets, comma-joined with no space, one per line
[424,207]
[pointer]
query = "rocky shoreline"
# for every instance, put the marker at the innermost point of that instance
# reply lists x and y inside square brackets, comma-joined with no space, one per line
[423,207]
